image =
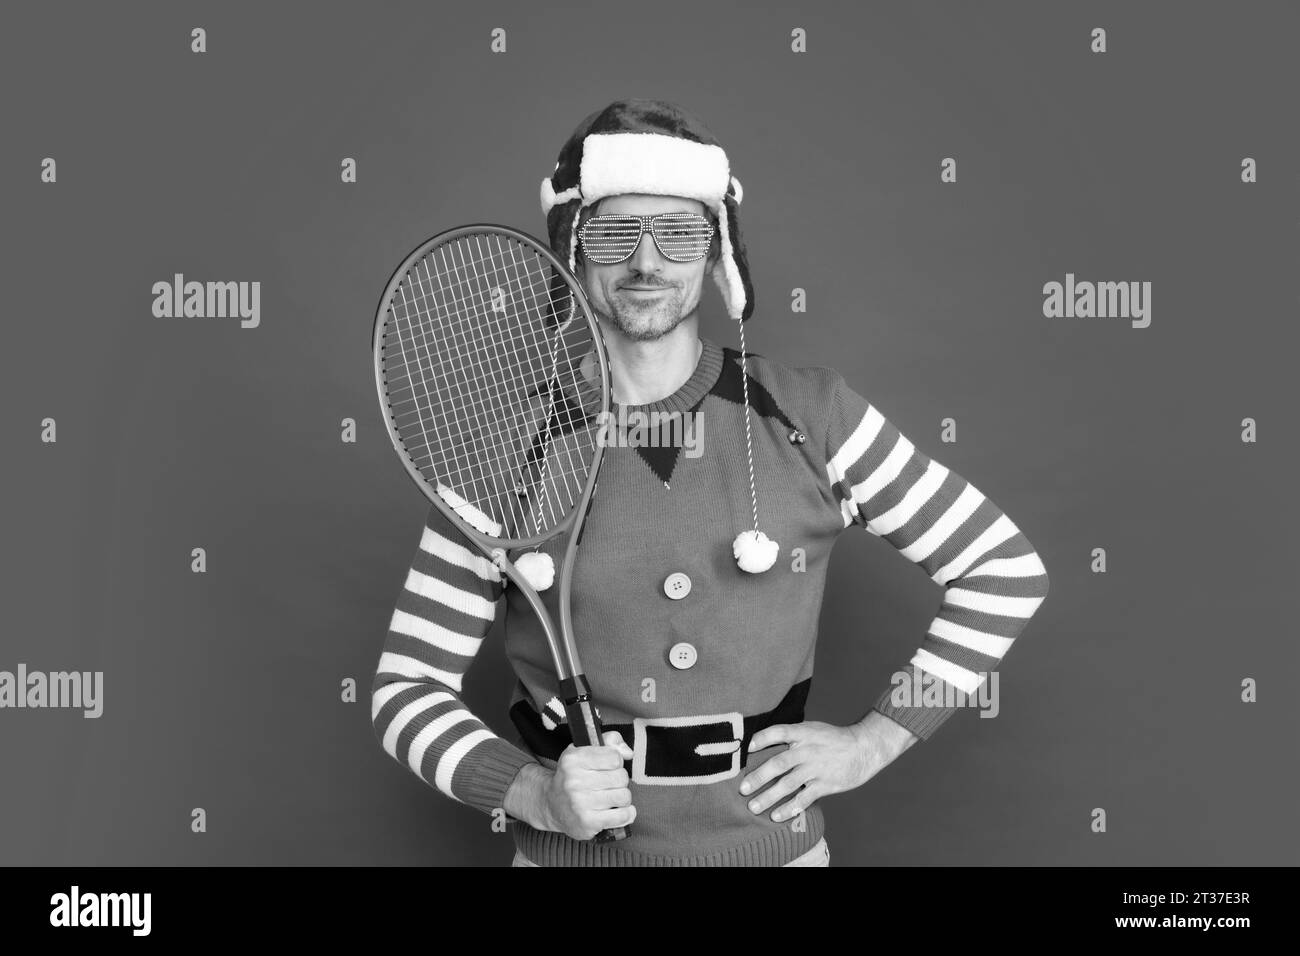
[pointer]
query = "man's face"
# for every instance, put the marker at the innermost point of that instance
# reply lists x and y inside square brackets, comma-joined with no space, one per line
[672,289]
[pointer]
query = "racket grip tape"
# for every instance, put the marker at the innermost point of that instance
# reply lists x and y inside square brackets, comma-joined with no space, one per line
[584,724]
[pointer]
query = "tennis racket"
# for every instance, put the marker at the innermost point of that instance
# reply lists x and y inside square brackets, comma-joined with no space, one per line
[491,368]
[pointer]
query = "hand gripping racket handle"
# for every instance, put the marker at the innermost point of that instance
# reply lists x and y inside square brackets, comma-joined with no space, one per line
[585,726]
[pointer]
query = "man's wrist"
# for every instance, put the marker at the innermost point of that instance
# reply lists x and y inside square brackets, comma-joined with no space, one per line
[882,739]
[526,797]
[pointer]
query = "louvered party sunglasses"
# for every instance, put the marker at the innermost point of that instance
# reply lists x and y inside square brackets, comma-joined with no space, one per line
[680,236]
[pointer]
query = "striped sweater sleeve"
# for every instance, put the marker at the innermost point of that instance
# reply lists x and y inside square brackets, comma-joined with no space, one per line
[446,607]
[992,577]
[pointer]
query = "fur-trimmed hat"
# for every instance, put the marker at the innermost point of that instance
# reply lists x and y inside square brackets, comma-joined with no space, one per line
[653,147]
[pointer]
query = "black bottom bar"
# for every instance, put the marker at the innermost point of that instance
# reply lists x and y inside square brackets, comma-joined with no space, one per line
[238,904]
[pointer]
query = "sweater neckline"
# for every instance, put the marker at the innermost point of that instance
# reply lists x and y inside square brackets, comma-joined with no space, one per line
[700,383]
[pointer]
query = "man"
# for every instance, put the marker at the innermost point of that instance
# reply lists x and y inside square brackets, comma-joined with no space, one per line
[696,619]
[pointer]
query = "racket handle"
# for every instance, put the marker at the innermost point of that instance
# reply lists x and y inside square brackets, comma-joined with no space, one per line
[586,729]
[610,835]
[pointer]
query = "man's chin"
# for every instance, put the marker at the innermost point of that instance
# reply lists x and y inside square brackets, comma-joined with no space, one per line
[643,328]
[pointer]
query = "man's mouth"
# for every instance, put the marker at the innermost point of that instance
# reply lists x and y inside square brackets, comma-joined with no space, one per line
[645,288]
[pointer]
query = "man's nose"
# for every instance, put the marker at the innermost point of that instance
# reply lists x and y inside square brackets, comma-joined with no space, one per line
[646,258]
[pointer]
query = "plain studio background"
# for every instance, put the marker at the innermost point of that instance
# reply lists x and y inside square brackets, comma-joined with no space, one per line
[222,690]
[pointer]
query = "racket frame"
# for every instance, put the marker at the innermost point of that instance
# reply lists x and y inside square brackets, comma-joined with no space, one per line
[575,691]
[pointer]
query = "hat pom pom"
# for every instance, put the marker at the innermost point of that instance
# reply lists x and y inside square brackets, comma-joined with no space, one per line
[548,194]
[755,552]
[538,569]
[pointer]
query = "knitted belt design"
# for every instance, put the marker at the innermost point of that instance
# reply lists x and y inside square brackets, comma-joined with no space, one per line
[668,751]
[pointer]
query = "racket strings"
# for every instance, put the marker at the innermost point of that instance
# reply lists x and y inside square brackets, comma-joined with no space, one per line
[437,368]
[489,416]
[485,360]
[478,415]
[485,385]
[466,464]
[514,346]
[550,412]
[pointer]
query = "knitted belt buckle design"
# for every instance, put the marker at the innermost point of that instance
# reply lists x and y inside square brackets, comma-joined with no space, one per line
[686,751]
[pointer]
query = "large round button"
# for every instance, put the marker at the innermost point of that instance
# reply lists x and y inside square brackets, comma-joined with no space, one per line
[682,656]
[677,585]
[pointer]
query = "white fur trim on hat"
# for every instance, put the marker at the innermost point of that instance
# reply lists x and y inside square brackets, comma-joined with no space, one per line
[550,197]
[654,163]
[725,273]
[735,188]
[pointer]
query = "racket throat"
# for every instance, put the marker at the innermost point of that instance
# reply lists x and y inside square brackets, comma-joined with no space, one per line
[575,689]
[584,723]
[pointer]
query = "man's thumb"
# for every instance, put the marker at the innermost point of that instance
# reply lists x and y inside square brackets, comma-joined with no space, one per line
[613,738]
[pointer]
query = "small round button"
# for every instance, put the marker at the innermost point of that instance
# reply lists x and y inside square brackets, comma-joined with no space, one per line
[677,585]
[683,656]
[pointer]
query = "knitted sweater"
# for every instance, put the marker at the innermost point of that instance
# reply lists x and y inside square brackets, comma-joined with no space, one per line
[655,572]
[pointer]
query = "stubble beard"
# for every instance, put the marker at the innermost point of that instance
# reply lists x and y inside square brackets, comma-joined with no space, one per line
[650,321]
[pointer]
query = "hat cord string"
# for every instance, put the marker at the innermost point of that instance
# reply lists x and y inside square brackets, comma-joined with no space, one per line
[749,452]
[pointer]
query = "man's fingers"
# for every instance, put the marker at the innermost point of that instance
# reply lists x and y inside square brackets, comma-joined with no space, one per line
[770,736]
[593,758]
[592,768]
[608,819]
[596,801]
[770,770]
[774,794]
[595,781]
[800,802]
[591,822]
[592,787]
[603,758]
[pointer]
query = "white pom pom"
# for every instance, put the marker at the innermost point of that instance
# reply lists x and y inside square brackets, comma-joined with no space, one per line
[735,186]
[538,569]
[548,195]
[754,551]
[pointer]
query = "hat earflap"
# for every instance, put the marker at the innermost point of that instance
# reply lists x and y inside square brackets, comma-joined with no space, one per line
[731,273]
[753,550]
